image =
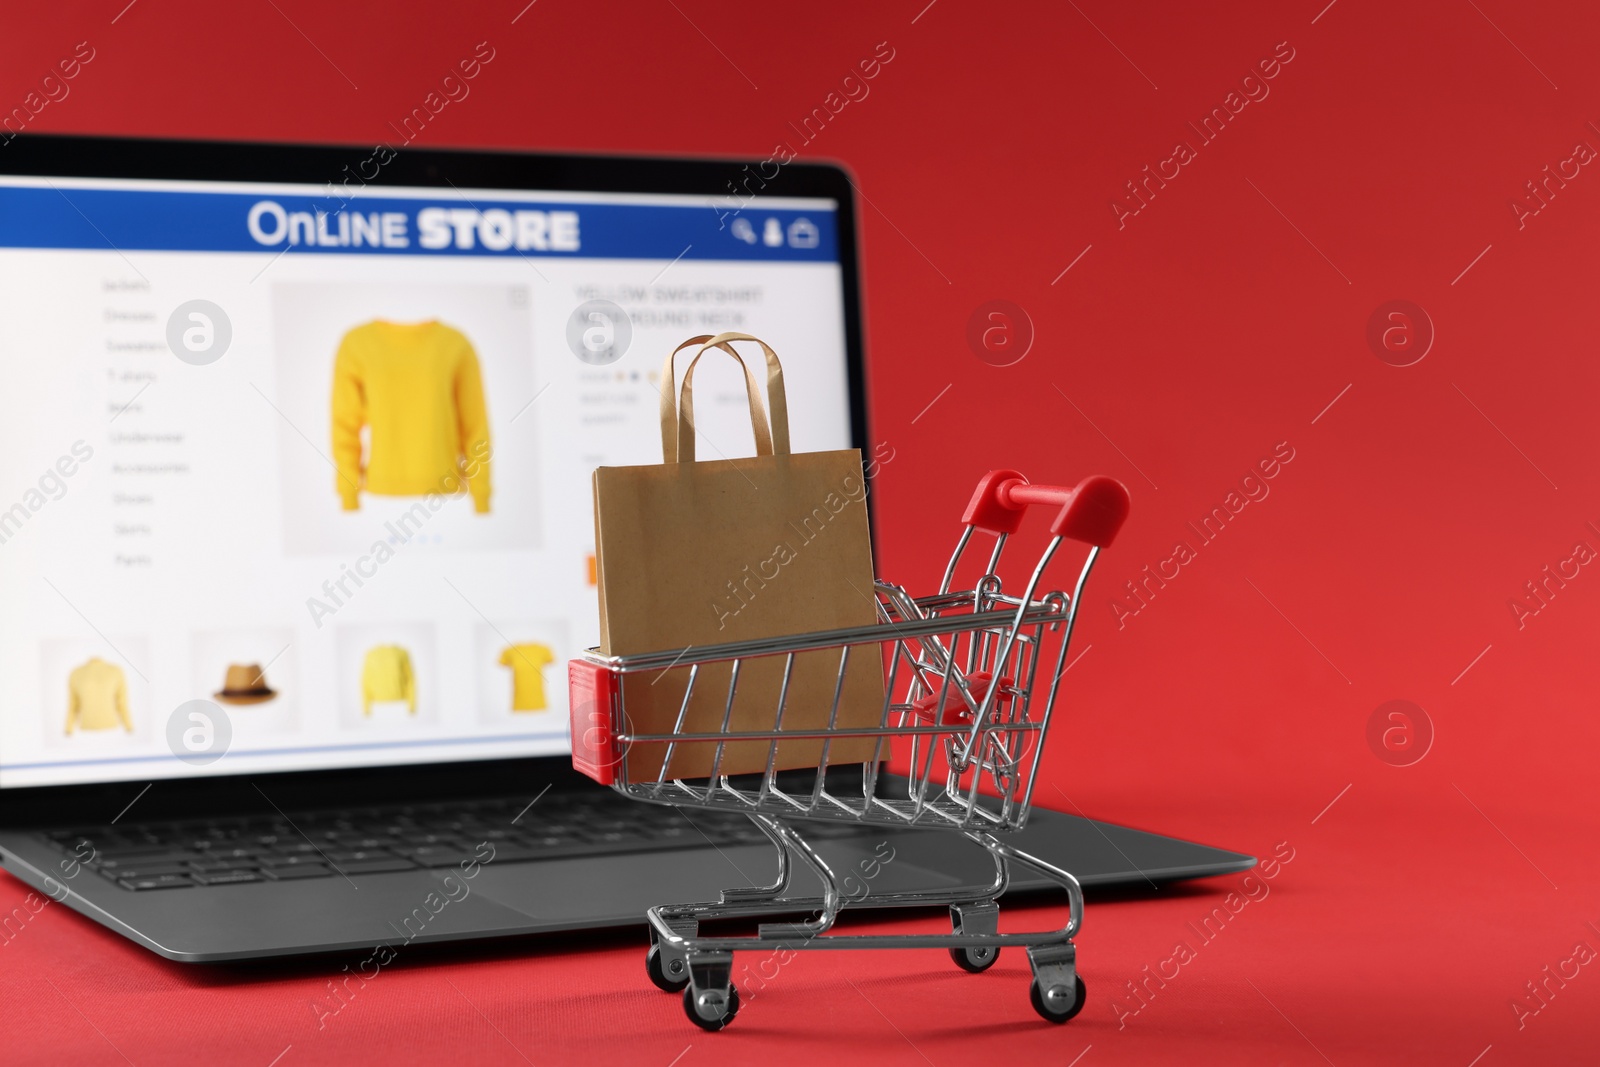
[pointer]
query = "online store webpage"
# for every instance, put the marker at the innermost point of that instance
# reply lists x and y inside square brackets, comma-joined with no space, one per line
[325,466]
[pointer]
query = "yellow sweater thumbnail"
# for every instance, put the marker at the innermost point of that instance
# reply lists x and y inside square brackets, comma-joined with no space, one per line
[418,389]
[387,675]
[97,697]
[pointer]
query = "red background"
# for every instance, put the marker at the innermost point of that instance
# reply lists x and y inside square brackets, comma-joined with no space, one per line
[1216,323]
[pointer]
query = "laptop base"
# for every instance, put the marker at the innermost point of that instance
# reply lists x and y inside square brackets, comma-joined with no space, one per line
[268,919]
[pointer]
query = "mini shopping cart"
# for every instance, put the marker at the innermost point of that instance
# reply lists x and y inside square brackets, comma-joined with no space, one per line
[969,708]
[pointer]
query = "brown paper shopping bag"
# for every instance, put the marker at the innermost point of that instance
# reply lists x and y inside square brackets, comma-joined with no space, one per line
[696,553]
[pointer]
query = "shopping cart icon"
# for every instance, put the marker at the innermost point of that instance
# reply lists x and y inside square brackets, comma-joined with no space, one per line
[972,677]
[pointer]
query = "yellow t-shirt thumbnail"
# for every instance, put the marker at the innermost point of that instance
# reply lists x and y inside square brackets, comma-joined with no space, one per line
[527,663]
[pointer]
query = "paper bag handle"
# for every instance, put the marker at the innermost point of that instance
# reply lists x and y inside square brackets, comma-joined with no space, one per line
[677,418]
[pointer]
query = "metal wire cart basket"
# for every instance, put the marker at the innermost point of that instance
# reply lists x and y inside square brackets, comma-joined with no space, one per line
[972,677]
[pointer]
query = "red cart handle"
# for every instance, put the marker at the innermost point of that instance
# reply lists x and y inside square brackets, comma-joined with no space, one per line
[1092,511]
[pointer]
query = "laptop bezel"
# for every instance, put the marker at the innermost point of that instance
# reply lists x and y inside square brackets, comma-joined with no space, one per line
[75,156]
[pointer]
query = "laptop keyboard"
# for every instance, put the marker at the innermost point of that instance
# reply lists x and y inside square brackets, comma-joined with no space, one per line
[330,844]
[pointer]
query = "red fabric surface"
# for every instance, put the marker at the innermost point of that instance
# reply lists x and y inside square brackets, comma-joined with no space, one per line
[1183,345]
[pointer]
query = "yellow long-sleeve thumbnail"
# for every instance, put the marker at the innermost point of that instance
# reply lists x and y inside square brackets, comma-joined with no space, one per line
[97,697]
[418,390]
[387,675]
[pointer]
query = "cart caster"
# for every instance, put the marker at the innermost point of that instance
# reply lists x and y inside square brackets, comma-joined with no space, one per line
[670,974]
[711,1009]
[975,960]
[977,917]
[1054,1005]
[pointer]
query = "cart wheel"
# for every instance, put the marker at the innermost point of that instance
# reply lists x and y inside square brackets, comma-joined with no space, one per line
[976,960]
[1055,1005]
[670,976]
[713,1016]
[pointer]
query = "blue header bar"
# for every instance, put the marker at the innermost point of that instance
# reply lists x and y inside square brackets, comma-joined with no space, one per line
[449,225]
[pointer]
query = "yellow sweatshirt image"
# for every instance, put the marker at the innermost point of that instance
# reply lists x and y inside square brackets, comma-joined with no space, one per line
[387,675]
[97,697]
[418,391]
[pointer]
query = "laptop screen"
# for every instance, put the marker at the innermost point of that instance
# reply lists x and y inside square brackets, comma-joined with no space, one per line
[292,480]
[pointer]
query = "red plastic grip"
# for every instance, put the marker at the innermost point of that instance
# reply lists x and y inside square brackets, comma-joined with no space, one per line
[1091,511]
[955,711]
[591,693]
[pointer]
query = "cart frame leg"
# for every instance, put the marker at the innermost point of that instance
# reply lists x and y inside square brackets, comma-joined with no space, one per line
[832,902]
[780,885]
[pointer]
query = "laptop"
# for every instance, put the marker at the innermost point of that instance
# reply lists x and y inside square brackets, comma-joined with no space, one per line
[270,682]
